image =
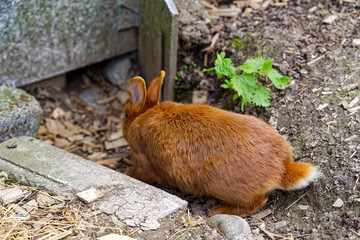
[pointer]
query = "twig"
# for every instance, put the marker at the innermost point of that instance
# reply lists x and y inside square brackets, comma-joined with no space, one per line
[354,232]
[10,230]
[296,201]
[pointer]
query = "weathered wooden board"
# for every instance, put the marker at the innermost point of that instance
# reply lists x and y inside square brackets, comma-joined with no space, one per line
[42,39]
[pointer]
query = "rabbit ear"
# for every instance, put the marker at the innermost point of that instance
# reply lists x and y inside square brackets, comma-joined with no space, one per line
[153,91]
[137,92]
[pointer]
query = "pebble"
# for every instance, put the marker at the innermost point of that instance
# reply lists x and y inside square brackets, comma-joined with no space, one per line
[338,203]
[233,227]
[356,42]
[330,19]
[118,71]
[354,102]
[322,106]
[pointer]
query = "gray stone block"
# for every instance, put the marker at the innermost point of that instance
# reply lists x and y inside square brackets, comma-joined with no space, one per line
[20,113]
[42,39]
[133,202]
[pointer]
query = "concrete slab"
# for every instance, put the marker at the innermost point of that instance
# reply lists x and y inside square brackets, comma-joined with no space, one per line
[133,202]
[20,113]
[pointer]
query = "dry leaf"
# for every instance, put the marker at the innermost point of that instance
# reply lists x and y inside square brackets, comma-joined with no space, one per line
[115,144]
[61,142]
[97,155]
[57,113]
[112,163]
[42,130]
[115,135]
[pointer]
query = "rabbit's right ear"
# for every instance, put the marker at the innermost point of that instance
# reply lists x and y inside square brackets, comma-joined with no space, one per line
[137,93]
[153,91]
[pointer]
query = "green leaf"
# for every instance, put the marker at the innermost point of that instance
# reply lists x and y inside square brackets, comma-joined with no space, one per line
[243,103]
[225,86]
[253,65]
[261,97]
[208,69]
[277,79]
[267,65]
[244,85]
[235,96]
[224,68]
[222,55]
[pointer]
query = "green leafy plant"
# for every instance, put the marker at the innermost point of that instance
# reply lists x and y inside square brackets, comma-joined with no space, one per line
[243,79]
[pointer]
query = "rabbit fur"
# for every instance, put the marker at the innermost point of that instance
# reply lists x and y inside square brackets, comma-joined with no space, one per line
[204,150]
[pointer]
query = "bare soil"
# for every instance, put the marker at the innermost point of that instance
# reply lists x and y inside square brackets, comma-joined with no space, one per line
[325,69]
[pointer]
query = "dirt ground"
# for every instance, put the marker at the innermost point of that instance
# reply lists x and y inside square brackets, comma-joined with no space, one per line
[312,113]
[325,69]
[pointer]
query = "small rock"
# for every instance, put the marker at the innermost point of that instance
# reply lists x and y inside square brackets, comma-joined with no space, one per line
[90,96]
[233,227]
[118,70]
[3,176]
[303,207]
[338,203]
[90,195]
[199,97]
[330,19]
[356,42]
[322,50]
[322,106]
[344,104]
[354,102]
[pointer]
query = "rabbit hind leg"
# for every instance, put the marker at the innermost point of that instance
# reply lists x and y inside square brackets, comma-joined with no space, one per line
[242,210]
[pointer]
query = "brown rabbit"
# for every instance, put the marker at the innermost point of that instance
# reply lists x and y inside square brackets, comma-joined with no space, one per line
[208,151]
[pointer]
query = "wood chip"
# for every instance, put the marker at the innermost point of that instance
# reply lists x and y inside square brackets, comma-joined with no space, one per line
[10,195]
[97,155]
[224,12]
[338,203]
[115,144]
[90,195]
[116,135]
[349,139]
[123,97]
[303,207]
[31,205]
[112,163]
[44,200]
[21,212]
[262,214]
[247,12]
[330,19]
[77,137]
[61,235]
[115,237]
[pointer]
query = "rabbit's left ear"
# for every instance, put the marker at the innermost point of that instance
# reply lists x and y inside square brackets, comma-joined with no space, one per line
[154,89]
[137,93]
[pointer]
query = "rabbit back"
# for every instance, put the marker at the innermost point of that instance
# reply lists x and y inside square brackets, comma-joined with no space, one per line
[208,151]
